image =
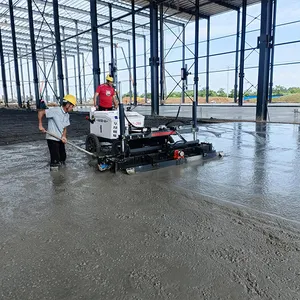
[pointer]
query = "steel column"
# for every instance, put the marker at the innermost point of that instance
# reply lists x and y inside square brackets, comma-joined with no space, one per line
[238,21]
[129,70]
[104,69]
[15,51]
[183,65]
[54,73]
[145,70]
[45,71]
[28,73]
[207,59]
[154,59]
[273,49]
[10,79]
[3,72]
[22,76]
[78,62]
[66,61]
[83,76]
[196,70]
[95,43]
[162,54]
[265,41]
[33,53]
[134,53]
[242,57]
[75,76]
[58,51]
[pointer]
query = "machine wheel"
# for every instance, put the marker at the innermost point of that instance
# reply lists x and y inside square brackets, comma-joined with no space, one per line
[92,144]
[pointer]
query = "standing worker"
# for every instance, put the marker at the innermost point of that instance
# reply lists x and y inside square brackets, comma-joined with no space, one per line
[58,121]
[105,95]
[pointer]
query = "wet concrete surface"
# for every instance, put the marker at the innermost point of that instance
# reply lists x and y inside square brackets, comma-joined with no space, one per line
[174,233]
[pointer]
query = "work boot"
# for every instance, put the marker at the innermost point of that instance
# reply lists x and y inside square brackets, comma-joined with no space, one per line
[102,167]
[54,167]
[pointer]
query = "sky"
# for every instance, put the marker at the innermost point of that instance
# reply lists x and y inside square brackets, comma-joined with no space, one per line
[221,25]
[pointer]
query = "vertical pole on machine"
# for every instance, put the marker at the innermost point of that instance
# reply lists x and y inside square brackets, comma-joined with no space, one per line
[129,70]
[45,71]
[154,59]
[196,71]
[183,76]
[162,54]
[145,69]
[134,53]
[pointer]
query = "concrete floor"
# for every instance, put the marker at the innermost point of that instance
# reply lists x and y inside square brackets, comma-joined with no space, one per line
[228,229]
[277,113]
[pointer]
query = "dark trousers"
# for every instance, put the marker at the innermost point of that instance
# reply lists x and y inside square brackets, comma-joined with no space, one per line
[104,108]
[57,152]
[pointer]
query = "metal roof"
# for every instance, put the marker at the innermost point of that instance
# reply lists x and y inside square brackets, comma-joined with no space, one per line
[176,12]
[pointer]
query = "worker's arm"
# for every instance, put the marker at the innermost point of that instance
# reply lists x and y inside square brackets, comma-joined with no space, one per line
[64,136]
[41,114]
[116,103]
[95,98]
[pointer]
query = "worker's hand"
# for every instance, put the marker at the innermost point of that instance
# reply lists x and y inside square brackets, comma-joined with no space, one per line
[64,139]
[42,129]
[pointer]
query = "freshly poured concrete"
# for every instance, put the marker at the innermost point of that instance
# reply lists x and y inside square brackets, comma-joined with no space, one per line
[227,229]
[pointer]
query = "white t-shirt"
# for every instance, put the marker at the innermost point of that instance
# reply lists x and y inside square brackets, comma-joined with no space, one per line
[58,119]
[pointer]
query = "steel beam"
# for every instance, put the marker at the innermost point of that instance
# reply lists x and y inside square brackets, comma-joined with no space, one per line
[196,70]
[96,68]
[15,51]
[66,61]
[33,53]
[78,63]
[58,51]
[265,42]
[238,21]
[154,59]
[242,57]
[28,73]
[207,60]
[83,77]
[140,13]
[112,61]
[54,75]
[22,76]
[145,70]
[10,79]
[225,4]
[3,71]
[75,76]
[45,72]
[134,53]
[103,63]
[273,50]
[129,71]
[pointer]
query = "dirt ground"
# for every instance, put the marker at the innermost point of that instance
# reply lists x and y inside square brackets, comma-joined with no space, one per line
[82,234]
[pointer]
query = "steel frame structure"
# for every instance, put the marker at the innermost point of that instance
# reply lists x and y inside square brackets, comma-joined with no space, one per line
[124,22]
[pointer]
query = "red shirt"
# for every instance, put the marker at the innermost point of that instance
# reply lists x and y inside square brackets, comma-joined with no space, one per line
[106,94]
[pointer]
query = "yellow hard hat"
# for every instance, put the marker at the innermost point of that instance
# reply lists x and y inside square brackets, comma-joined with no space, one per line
[70,98]
[109,78]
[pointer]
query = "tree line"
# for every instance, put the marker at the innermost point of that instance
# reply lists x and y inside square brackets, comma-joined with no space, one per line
[277,90]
